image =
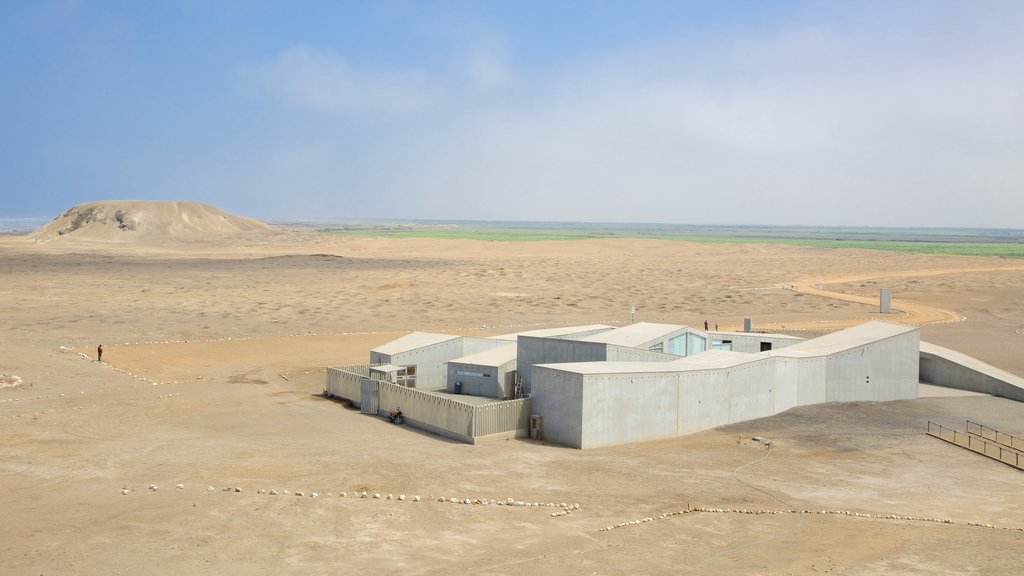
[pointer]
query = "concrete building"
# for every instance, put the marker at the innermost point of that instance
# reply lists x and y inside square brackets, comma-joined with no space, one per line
[592,386]
[425,355]
[750,341]
[592,404]
[489,373]
[563,332]
[642,342]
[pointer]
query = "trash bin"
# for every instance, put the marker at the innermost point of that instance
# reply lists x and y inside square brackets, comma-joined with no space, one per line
[458,387]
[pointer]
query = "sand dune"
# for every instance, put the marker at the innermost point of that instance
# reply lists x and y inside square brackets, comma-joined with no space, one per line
[146,220]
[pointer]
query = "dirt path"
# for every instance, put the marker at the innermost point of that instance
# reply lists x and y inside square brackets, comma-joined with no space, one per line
[904,312]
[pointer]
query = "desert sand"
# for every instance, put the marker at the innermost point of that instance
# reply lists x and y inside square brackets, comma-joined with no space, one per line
[214,358]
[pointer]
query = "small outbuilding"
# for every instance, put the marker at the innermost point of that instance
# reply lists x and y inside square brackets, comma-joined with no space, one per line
[489,373]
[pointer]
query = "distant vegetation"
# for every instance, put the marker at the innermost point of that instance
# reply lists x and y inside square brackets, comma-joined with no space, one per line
[963,241]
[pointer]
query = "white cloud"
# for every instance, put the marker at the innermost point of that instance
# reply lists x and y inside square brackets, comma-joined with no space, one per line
[323,81]
[829,121]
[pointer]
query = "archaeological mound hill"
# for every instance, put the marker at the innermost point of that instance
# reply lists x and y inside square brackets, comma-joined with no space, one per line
[148,220]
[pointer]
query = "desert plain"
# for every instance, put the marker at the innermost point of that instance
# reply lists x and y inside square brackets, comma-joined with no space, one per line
[161,459]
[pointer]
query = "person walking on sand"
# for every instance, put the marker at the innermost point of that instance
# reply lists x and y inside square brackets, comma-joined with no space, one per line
[705,325]
[99,353]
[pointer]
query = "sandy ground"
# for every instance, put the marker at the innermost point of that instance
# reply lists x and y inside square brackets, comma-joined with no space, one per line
[214,357]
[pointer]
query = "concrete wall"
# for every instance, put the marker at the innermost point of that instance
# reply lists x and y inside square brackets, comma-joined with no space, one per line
[491,384]
[615,353]
[751,341]
[945,367]
[880,371]
[346,382]
[620,408]
[709,398]
[559,400]
[592,410]
[664,341]
[430,361]
[798,381]
[533,350]
[474,345]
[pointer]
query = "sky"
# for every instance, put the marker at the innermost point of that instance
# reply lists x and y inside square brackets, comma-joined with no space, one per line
[819,113]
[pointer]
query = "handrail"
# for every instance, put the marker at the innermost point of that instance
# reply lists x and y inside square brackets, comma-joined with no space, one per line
[1013,457]
[981,432]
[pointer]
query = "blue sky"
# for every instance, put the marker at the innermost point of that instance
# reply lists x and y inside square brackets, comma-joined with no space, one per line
[889,113]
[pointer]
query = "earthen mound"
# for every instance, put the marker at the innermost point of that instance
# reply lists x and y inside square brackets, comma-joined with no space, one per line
[150,220]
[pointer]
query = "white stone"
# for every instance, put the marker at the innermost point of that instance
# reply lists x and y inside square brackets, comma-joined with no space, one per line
[273,492]
[415,498]
[300,494]
[401,497]
[180,486]
[125,491]
[343,494]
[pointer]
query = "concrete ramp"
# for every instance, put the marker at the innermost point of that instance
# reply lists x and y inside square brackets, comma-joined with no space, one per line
[944,367]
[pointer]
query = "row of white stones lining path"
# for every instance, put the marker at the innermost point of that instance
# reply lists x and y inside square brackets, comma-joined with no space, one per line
[511,502]
[668,515]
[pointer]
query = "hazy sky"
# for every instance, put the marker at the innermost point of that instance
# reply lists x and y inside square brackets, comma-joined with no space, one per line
[889,113]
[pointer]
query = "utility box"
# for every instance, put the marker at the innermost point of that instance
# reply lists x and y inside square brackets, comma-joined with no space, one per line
[885,301]
[535,422]
[748,325]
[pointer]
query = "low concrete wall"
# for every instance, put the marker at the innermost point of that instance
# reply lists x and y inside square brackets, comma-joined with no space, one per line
[346,382]
[944,367]
[452,418]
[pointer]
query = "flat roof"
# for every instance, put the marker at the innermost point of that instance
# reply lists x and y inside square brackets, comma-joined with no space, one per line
[843,340]
[554,332]
[634,334]
[386,368]
[710,360]
[493,357]
[714,359]
[714,333]
[412,341]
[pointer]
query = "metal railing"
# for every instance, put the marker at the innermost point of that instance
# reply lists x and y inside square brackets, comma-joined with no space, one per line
[1008,440]
[977,444]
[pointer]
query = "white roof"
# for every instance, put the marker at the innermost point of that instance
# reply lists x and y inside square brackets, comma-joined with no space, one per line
[554,332]
[613,367]
[493,357]
[634,334]
[843,340]
[386,368]
[710,360]
[714,359]
[412,342]
[716,333]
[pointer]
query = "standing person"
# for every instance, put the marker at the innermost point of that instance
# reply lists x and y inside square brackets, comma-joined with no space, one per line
[716,326]
[99,353]
[705,325]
